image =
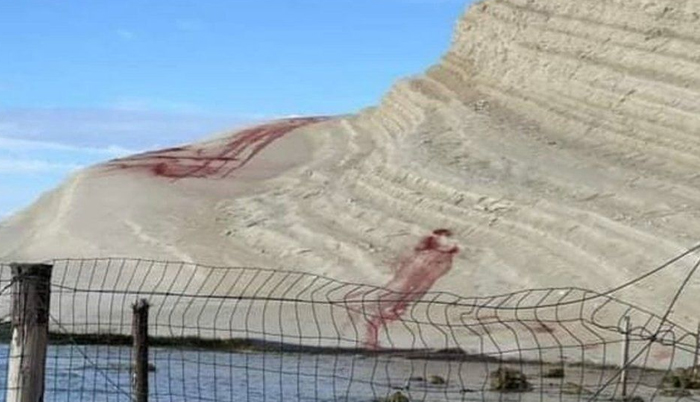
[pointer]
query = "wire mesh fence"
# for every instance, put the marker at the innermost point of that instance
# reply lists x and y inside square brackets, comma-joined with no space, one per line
[252,334]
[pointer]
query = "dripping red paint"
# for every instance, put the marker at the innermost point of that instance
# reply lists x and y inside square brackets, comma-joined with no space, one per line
[214,159]
[414,275]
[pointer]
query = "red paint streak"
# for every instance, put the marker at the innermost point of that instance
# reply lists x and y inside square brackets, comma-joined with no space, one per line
[414,275]
[663,354]
[216,159]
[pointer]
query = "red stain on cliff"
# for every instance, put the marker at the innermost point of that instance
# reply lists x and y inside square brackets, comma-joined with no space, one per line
[414,275]
[216,159]
[664,354]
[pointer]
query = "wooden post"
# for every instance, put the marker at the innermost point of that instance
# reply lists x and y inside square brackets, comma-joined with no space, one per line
[31,297]
[139,357]
[625,356]
[696,359]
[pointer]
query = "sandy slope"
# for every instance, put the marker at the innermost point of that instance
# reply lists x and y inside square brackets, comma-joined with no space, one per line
[558,140]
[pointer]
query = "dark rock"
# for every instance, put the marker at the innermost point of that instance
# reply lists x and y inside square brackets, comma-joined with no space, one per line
[555,372]
[509,380]
[396,397]
[682,378]
[436,380]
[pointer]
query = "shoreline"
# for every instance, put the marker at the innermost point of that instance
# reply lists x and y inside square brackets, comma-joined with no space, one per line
[251,345]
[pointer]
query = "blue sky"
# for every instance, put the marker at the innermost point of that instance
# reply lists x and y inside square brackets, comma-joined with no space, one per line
[83,81]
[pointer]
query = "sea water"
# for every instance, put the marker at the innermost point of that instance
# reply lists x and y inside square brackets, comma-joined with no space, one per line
[103,373]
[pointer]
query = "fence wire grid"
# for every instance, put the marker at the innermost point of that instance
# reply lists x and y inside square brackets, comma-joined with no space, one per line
[254,334]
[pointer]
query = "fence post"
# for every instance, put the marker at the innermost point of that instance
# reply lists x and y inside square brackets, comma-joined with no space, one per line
[625,356]
[696,359]
[31,297]
[139,357]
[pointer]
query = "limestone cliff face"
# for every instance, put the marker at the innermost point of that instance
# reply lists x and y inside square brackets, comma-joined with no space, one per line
[578,120]
[623,73]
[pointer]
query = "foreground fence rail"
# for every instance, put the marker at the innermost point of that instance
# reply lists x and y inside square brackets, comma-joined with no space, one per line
[251,334]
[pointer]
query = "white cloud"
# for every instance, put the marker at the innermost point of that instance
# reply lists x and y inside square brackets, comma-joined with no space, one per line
[7,127]
[35,166]
[109,127]
[19,145]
